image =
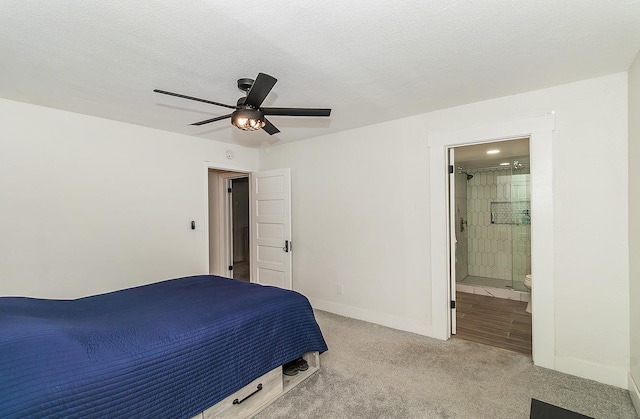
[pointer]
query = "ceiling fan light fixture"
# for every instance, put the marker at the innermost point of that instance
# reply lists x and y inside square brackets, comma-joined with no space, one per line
[248,113]
[248,119]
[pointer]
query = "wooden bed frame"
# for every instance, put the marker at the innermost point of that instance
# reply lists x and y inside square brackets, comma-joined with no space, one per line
[260,393]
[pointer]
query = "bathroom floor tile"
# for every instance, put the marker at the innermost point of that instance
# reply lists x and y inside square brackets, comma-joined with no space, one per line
[498,322]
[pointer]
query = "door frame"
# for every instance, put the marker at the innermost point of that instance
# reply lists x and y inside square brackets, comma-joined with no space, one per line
[233,171]
[540,132]
[453,239]
[226,215]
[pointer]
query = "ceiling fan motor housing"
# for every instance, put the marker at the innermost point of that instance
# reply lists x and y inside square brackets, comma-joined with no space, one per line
[245,84]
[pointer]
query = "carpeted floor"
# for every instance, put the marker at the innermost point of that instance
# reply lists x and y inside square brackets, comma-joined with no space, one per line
[371,371]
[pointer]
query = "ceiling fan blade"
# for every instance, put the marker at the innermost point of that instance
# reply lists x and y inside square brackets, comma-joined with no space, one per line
[260,89]
[164,92]
[296,111]
[270,128]
[217,118]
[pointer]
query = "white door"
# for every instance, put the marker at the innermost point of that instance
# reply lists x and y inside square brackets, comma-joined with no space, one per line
[271,228]
[452,238]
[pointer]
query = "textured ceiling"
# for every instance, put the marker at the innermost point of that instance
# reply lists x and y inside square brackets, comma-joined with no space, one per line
[369,61]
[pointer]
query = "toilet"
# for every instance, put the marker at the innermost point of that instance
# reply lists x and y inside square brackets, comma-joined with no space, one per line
[527,283]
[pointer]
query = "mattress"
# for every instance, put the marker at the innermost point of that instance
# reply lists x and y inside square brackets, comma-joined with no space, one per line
[169,349]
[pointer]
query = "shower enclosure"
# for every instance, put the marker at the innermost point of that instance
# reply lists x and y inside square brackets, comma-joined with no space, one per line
[493,226]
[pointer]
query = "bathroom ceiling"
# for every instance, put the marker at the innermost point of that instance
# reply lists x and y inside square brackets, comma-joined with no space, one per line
[475,156]
[369,61]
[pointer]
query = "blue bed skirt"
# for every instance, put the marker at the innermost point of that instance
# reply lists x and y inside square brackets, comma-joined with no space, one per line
[166,350]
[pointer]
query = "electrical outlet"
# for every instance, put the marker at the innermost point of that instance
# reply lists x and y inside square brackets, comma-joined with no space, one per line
[339,289]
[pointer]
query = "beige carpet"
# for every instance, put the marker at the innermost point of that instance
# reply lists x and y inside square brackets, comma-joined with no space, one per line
[372,371]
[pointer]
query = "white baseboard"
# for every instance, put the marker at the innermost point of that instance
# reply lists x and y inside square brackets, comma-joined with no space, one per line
[382,319]
[592,371]
[634,392]
[581,368]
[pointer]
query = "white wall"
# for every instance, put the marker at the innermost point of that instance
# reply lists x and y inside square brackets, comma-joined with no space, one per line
[361,218]
[360,205]
[634,228]
[90,205]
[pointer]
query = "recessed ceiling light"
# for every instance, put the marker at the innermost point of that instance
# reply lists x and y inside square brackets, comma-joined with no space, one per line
[495,151]
[505,164]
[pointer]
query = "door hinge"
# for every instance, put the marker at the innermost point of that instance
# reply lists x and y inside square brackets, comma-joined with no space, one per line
[453,304]
[450,169]
[229,190]
[231,267]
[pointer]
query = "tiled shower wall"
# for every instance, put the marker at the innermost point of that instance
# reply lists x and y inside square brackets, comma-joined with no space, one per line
[498,250]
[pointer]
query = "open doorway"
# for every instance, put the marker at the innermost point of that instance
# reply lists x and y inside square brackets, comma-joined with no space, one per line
[539,130]
[490,230]
[239,228]
[229,219]
[266,233]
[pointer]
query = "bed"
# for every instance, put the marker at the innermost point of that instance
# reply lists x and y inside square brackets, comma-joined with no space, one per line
[172,349]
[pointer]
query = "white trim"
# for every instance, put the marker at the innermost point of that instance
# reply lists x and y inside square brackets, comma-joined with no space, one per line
[634,392]
[540,133]
[375,317]
[593,371]
[227,167]
[452,239]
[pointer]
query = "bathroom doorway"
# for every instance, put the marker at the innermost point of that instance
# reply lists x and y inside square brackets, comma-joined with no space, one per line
[491,239]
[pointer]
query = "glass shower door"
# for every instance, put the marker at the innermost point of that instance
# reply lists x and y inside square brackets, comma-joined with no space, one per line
[521,225]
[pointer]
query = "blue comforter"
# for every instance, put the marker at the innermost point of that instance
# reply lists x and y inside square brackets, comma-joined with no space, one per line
[165,350]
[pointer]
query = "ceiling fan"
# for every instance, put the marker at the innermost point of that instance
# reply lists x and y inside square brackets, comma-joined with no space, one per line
[248,115]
